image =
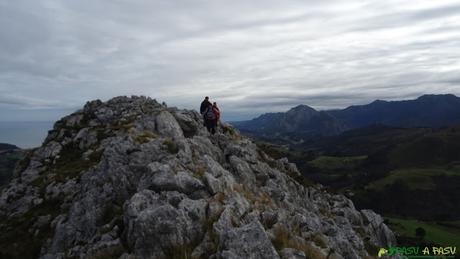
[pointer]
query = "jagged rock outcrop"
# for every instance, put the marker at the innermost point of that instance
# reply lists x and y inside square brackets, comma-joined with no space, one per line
[132,178]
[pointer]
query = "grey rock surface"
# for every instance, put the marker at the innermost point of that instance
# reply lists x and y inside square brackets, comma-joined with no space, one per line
[132,178]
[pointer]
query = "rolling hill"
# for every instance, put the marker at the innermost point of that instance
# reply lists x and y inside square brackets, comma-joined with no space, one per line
[9,156]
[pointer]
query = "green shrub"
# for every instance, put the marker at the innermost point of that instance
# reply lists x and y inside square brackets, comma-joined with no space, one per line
[71,163]
[420,232]
[22,164]
[171,146]
[17,237]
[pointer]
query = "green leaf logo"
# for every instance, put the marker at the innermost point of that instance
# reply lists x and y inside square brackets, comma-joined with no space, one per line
[382,252]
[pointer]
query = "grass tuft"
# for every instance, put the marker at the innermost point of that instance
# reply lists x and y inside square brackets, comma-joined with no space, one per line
[171,146]
[144,137]
[284,239]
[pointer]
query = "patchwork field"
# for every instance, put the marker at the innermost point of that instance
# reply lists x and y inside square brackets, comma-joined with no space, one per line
[415,178]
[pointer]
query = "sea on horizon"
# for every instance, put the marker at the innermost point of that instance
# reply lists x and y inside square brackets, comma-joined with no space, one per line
[24,134]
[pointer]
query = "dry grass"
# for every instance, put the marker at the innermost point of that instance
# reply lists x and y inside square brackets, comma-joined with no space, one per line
[123,125]
[326,213]
[320,240]
[227,130]
[259,201]
[144,137]
[220,197]
[208,229]
[198,170]
[284,239]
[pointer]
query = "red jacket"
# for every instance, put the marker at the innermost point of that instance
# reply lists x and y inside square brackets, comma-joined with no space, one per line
[216,112]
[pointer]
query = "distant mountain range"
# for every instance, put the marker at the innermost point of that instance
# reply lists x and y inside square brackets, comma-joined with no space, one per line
[7,147]
[305,122]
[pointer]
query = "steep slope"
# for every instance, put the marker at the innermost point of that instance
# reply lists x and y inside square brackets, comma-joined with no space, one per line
[131,178]
[301,121]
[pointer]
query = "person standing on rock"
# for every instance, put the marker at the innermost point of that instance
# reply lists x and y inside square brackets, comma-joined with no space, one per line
[204,104]
[216,111]
[210,119]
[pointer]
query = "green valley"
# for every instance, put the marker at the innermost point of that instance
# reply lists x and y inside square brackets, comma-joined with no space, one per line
[410,175]
[436,233]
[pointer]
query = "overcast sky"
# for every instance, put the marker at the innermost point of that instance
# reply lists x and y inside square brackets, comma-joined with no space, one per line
[249,56]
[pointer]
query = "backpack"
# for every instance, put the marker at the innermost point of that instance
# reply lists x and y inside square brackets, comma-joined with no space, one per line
[209,114]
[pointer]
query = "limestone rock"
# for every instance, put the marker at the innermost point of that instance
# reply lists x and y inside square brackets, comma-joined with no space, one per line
[132,178]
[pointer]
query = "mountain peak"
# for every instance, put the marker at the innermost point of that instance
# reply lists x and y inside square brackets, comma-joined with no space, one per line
[302,118]
[132,178]
[302,107]
[378,102]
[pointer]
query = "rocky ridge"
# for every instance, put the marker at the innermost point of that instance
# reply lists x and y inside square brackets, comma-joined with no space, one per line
[132,178]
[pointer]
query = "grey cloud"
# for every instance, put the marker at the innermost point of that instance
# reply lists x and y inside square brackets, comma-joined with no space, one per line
[250,57]
[406,18]
[28,102]
[324,101]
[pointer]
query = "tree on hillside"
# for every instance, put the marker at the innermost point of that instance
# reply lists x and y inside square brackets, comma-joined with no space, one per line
[420,232]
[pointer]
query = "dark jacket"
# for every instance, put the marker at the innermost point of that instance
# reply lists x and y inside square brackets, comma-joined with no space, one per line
[204,105]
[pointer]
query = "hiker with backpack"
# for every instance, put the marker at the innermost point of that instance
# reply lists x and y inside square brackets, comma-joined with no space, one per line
[210,118]
[216,111]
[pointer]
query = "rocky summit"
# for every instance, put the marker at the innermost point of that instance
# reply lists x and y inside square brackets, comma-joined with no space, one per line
[133,178]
